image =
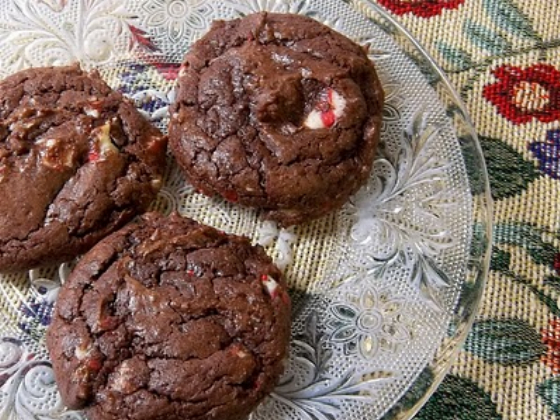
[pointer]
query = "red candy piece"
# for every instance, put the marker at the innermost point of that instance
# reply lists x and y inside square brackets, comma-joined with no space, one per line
[94,364]
[257,385]
[93,156]
[271,286]
[285,298]
[204,192]
[325,108]
[231,196]
[168,70]
[328,118]
[156,146]
[109,323]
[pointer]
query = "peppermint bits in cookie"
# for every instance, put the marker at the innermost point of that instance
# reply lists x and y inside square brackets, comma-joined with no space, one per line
[327,111]
[77,161]
[189,308]
[277,112]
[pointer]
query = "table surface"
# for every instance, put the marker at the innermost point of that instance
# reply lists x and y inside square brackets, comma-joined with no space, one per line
[503,56]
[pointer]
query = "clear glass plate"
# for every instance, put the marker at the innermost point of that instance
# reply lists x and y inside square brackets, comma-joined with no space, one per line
[384,291]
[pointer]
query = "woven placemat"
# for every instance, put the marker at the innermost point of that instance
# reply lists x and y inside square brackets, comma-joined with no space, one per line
[504,58]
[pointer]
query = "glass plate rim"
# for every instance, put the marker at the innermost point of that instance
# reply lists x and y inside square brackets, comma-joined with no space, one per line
[461,334]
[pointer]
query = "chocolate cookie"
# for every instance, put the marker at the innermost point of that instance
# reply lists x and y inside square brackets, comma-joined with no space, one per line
[278,112]
[170,319]
[77,161]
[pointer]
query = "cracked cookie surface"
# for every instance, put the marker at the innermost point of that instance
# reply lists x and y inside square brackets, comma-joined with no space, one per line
[277,112]
[170,319]
[77,161]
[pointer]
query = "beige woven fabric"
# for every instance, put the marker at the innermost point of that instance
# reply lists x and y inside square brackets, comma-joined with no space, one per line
[503,56]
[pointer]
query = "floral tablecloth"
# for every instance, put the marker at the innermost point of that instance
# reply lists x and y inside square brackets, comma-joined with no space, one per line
[504,58]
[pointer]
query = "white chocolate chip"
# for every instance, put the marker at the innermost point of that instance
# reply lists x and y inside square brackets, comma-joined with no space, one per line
[48,143]
[65,156]
[337,104]
[155,236]
[69,159]
[314,120]
[242,354]
[92,112]
[122,378]
[106,146]
[82,353]
[282,59]
[271,286]
[156,183]
[239,351]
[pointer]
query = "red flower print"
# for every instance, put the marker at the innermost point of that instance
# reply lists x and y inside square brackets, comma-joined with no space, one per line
[551,338]
[557,264]
[421,8]
[523,94]
[169,71]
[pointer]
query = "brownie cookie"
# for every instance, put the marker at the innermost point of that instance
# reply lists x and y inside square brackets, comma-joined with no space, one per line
[77,161]
[170,319]
[278,112]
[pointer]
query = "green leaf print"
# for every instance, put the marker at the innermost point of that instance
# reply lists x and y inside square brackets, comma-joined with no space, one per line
[411,397]
[549,391]
[505,341]
[470,156]
[507,16]
[459,59]
[528,237]
[509,173]
[459,399]
[500,260]
[425,67]
[549,301]
[553,281]
[485,38]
